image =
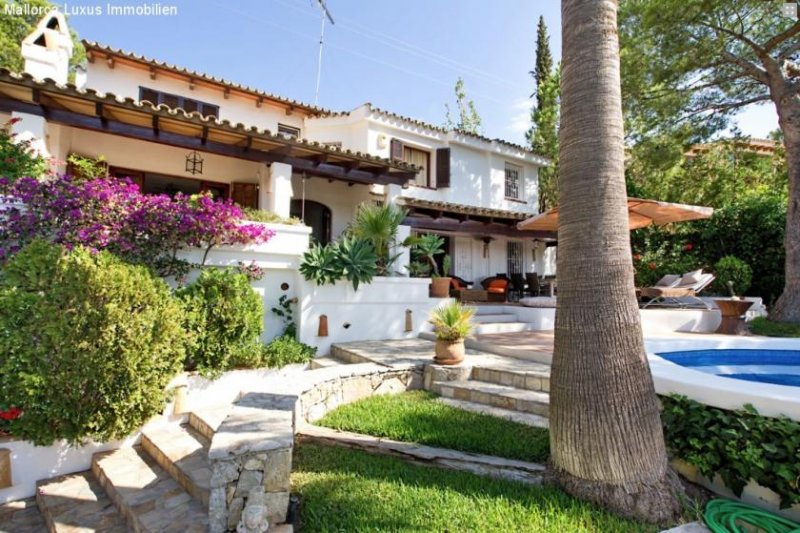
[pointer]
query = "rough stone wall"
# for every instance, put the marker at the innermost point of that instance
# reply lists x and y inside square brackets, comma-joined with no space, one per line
[251,452]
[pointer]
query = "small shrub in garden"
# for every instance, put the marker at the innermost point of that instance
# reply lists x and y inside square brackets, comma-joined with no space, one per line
[349,258]
[88,344]
[286,350]
[224,317]
[18,158]
[732,269]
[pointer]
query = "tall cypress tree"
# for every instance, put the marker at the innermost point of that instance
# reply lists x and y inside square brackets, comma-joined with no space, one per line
[543,134]
[544,60]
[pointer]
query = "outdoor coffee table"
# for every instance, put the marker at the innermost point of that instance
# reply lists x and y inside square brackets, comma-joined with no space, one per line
[732,316]
[473,295]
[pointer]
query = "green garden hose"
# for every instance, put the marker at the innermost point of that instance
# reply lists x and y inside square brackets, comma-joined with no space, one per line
[726,516]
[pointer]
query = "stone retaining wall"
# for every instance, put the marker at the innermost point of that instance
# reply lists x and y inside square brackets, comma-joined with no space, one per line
[251,452]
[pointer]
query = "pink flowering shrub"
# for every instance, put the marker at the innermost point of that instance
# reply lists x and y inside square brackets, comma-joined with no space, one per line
[112,214]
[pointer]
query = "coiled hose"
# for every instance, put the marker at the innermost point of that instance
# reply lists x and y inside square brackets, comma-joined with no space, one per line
[726,516]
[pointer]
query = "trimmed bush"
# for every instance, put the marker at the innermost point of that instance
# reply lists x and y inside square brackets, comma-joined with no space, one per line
[88,344]
[224,317]
[281,351]
[732,269]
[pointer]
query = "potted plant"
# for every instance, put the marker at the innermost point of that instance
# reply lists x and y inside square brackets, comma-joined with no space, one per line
[425,249]
[451,324]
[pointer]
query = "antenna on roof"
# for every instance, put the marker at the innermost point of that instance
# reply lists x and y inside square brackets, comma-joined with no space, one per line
[324,13]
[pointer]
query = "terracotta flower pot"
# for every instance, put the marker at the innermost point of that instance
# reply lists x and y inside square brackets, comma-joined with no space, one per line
[449,352]
[440,287]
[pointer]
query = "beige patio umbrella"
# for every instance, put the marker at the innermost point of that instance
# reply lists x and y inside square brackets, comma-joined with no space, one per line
[641,213]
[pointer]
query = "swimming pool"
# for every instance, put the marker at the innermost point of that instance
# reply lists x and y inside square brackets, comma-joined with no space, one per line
[779,367]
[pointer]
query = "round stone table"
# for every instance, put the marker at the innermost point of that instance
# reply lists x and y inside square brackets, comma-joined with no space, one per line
[732,316]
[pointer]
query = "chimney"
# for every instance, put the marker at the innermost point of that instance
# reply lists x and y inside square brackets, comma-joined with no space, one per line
[48,49]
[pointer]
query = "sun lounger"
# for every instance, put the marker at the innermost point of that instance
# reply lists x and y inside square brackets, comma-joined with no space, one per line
[681,293]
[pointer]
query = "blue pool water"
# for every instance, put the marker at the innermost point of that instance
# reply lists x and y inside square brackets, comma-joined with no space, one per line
[780,367]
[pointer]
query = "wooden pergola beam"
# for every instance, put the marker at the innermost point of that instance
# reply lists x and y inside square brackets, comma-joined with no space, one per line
[147,133]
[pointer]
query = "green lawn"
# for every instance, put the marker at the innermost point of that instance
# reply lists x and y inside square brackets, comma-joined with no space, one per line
[348,490]
[762,326]
[418,417]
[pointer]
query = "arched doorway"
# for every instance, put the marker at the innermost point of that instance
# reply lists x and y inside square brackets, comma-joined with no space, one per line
[317,216]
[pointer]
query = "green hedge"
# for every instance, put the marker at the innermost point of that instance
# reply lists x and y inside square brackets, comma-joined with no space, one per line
[224,317]
[738,445]
[88,344]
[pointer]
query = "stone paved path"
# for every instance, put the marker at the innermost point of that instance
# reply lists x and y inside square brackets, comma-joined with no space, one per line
[21,516]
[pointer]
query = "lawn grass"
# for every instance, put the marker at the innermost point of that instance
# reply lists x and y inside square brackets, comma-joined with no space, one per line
[417,417]
[349,490]
[762,326]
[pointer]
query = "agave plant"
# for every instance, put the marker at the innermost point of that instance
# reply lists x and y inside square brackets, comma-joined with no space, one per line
[378,224]
[356,260]
[319,265]
[452,322]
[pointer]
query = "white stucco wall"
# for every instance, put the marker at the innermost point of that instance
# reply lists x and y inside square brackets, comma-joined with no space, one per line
[343,200]
[125,80]
[373,312]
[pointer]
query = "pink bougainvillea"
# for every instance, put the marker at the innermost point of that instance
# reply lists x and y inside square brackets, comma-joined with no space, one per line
[112,214]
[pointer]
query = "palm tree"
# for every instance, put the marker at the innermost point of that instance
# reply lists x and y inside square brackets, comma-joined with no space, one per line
[378,224]
[605,432]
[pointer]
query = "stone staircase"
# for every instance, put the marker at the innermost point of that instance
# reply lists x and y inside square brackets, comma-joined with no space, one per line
[489,319]
[524,390]
[161,485]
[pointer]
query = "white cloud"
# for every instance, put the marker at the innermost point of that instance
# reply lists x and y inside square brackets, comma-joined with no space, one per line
[520,119]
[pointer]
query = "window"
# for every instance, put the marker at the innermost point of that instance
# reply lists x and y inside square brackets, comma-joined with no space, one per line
[513,182]
[514,254]
[421,159]
[173,100]
[290,132]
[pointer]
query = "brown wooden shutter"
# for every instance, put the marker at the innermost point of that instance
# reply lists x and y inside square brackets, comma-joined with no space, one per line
[245,194]
[442,167]
[396,149]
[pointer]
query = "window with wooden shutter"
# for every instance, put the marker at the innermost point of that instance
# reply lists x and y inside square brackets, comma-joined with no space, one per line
[420,159]
[396,149]
[442,168]
[245,194]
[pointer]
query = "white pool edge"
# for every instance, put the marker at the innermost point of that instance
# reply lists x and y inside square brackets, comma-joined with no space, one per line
[723,392]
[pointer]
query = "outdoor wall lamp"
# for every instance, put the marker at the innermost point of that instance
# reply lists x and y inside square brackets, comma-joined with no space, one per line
[194,163]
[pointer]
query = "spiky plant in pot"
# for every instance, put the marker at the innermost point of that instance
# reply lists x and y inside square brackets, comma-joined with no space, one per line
[452,323]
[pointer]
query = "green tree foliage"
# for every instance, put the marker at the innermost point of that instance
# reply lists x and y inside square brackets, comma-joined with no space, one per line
[18,158]
[14,28]
[543,134]
[751,229]
[88,344]
[469,120]
[732,274]
[688,66]
[224,317]
[714,174]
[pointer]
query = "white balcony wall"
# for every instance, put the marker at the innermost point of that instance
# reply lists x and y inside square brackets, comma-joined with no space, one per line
[125,80]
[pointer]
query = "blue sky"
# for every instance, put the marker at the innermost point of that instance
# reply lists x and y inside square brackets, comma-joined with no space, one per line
[401,57]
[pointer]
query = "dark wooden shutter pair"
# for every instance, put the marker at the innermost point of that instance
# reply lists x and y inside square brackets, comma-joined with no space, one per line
[245,194]
[442,168]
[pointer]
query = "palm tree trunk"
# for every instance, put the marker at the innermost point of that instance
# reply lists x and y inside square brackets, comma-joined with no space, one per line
[605,430]
[787,308]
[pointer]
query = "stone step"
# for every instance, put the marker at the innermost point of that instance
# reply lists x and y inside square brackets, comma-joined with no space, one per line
[348,356]
[21,516]
[528,419]
[535,379]
[494,318]
[501,327]
[488,309]
[183,452]
[505,397]
[146,494]
[77,503]
[206,421]
[326,362]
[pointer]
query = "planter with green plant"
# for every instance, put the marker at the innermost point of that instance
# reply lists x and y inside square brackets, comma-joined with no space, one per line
[424,251]
[451,324]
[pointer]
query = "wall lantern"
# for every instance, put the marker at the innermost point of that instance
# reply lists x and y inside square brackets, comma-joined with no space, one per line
[194,163]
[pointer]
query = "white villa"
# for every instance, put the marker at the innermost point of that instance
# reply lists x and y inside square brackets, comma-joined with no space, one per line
[171,129]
